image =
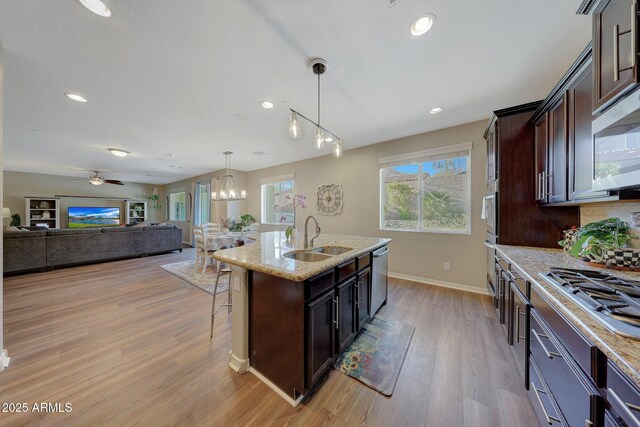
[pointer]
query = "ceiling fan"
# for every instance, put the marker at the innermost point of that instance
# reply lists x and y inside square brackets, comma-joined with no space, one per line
[96,179]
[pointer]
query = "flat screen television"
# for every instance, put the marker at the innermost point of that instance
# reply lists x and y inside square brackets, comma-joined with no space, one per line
[84,217]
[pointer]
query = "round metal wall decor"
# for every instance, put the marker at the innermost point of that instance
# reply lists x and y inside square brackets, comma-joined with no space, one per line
[330,199]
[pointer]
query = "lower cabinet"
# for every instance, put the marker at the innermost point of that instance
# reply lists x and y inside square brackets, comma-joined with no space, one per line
[520,310]
[346,306]
[363,294]
[321,347]
[297,329]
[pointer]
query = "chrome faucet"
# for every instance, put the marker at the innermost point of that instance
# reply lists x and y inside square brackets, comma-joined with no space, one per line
[306,234]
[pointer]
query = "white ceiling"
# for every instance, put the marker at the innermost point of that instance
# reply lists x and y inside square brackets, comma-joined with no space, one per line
[186,77]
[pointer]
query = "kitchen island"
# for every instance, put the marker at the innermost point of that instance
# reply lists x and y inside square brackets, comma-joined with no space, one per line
[294,310]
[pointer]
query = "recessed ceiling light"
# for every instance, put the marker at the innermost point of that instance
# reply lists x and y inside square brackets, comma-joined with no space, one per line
[328,139]
[259,153]
[118,152]
[75,97]
[436,110]
[422,24]
[266,104]
[97,7]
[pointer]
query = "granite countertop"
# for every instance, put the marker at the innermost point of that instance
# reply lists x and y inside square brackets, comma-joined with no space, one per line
[623,352]
[266,254]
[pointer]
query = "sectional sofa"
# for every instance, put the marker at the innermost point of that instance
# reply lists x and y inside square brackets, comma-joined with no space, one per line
[45,250]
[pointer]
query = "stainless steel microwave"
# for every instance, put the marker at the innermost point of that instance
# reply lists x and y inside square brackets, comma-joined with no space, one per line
[616,146]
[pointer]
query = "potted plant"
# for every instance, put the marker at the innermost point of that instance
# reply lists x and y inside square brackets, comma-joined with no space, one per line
[299,200]
[604,242]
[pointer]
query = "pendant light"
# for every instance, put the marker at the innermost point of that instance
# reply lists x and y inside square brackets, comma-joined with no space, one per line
[228,189]
[321,135]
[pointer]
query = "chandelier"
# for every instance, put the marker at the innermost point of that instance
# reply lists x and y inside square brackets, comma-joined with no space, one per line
[228,190]
[321,135]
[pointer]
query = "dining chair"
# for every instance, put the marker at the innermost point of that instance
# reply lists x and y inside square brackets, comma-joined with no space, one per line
[212,226]
[203,253]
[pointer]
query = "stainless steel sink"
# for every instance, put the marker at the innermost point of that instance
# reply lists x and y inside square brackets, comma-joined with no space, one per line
[331,250]
[307,256]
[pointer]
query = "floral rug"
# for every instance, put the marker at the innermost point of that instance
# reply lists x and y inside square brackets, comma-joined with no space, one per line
[376,356]
[205,281]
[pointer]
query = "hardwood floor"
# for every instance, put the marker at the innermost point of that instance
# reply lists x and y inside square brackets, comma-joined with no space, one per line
[127,343]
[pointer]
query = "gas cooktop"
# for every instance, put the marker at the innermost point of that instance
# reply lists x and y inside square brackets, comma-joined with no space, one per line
[613,301]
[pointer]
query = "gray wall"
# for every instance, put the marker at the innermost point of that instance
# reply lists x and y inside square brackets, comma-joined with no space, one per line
[413,255]
[18,185]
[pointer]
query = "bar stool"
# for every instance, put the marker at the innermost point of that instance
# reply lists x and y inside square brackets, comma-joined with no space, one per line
[221,272]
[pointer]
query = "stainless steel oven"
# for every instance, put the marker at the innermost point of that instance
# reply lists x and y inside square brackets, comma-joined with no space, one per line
[490,215]
[616,146]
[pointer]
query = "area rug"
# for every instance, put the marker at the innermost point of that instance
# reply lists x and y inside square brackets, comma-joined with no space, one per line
[376,356]
[205,281]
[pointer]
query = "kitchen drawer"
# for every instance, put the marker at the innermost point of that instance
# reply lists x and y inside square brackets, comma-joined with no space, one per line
[576,344]
[545,407]
[576,397]
[317,285]
[345,270]
[622,396]
[364,261]
[516,278]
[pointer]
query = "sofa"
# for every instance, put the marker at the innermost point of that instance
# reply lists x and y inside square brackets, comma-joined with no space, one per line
[44,250]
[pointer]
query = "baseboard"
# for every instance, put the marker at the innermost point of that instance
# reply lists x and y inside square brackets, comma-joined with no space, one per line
[4,360]
[239,365]
[275,388]
[434,282]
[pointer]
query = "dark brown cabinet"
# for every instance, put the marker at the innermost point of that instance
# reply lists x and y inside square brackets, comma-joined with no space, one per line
[297,329]
[321,348]
[363,293]
[541,143]
[492,170]
[519,316]
[511,199]
[557,149]
[346,306]
[615,45]
[579,132]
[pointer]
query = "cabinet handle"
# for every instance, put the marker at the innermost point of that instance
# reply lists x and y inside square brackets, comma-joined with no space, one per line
[539,186]
[588,423]
[548,185]
[358,293]
[626,407]
[537,392]
[337,316]
[549,354]
[616,44]
[517,323]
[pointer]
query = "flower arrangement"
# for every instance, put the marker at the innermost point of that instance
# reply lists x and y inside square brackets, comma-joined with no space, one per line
[298,200]
[237,224]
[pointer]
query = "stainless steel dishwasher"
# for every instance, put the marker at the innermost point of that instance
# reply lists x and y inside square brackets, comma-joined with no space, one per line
[379,278]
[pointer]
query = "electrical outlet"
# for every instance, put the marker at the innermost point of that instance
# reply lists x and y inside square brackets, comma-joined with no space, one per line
[447,266]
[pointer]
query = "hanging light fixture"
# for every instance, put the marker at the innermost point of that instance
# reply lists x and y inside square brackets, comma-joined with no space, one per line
[228,189]
[321,135]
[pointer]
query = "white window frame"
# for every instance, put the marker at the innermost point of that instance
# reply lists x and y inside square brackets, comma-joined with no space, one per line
[274,180]
[171,193]
[419,157]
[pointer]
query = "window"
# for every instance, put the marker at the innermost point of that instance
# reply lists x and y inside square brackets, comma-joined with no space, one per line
[428,191]
[203,202]
[277,200]
[177,206]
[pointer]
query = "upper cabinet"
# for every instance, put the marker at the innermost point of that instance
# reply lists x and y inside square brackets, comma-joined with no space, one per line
[492,153]
[615,48]
[563,144]
[557,162]
[541,132]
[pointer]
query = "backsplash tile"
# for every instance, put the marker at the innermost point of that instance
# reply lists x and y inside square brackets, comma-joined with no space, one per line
[599,211]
